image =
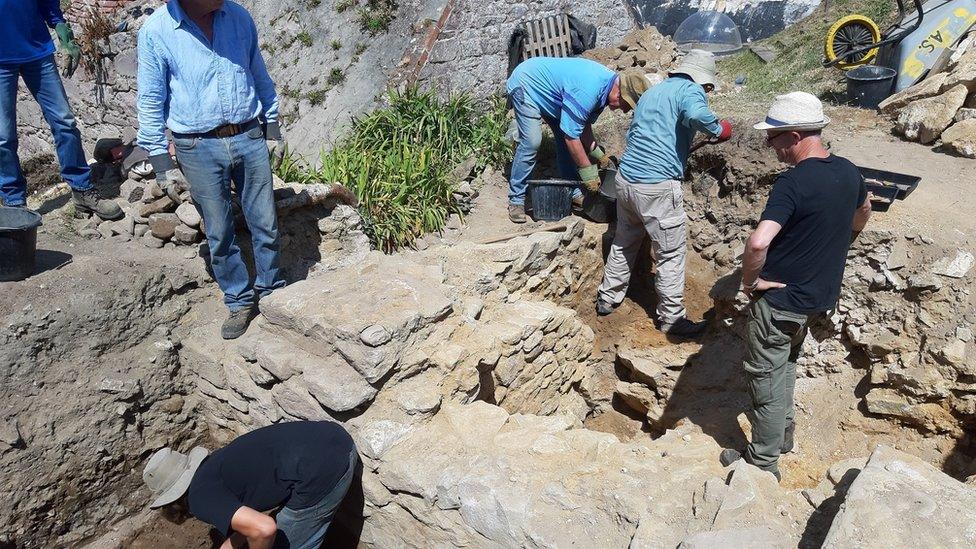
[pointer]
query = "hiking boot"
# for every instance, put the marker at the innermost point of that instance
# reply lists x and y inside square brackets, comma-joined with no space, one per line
[516,213]
[684,328]
[787,446]
[91,202]
[237,323]
[603,307]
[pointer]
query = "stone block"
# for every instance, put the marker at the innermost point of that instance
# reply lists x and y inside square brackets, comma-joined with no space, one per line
[160,205]
[898,500]
[294,400]
[185,234]
[163,225]
[188,214]
[336,385]
[925,119]
[151,241]
[132,191]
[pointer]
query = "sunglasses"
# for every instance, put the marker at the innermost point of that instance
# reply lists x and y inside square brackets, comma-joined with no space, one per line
[771,136]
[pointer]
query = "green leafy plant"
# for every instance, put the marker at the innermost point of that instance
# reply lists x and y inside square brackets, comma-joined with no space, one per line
[343,5]
[316,97]
[398,161]
[360,48]
[310,4]
[336,45]
[377,15]
[305,38]
[336,77]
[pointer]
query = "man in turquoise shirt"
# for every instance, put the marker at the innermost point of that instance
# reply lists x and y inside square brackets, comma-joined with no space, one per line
[27,52]
[201,74]
[568,94]
[649,198]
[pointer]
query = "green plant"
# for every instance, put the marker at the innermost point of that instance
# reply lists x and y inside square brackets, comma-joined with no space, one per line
[336,45]
[316,97]
[398,159]
[360,48]
[289,92]
[305,38]
[343,5]
[377,15]
[336,77]
[313,80]
[310,4]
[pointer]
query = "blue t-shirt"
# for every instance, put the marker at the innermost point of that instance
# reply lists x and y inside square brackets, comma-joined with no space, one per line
[664,125]
[571,90]
[23,29]
[814,202]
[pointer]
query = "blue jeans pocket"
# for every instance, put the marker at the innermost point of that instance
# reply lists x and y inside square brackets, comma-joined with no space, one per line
[255,133]
[185,143]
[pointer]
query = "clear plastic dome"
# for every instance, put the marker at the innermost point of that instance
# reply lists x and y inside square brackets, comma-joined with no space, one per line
[710,31]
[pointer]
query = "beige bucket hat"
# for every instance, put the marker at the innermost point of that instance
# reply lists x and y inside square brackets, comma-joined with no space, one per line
[699,65]
[168,473]
[800,111]
[633,84]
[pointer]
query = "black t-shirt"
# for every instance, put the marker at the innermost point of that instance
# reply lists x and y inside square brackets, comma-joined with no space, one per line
[814,202]
[295,463]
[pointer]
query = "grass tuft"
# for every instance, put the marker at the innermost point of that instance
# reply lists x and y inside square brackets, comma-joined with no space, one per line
[377,15]
[305,38]
[398,159]
[336,77]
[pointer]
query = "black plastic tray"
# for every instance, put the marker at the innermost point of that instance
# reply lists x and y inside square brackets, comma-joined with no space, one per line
[904,182]
[882,196]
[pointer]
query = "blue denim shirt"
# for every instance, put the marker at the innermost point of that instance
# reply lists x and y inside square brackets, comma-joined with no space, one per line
[191,85]
[23,34]
[664,125]
[571,90]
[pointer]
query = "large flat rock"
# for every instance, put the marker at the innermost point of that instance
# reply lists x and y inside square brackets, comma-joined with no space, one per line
[898,500]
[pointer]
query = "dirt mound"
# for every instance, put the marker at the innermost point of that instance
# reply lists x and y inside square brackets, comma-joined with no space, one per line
[643,48]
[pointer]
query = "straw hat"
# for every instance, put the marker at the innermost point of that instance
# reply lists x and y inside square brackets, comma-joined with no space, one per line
[168,473]
[795,111]
[699,65]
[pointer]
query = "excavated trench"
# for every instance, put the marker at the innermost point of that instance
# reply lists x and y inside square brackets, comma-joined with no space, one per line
[98,381]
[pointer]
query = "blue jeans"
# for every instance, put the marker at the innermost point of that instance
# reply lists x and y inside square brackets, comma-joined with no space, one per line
[210,164]
[42,79]
[529,120]
[306,528]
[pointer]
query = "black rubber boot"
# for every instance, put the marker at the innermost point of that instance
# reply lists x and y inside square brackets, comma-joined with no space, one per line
[684,328]
[237,323]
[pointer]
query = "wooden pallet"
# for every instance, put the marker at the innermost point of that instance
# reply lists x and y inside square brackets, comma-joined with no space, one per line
[547,37]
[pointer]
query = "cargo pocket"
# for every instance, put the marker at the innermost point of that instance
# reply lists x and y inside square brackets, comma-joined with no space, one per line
[672,232]
[787,323]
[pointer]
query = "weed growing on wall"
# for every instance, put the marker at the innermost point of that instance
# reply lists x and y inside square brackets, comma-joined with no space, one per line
[398,161]
[375,17]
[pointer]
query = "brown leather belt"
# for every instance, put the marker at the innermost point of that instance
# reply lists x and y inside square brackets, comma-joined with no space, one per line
[227,130]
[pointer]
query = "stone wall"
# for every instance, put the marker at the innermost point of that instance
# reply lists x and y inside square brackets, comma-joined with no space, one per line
[472,50]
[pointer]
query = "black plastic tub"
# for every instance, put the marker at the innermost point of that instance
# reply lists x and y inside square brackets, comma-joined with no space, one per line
[882,196]
[869,85]
[551,199]
[18,242]
[904,182]
[601,206]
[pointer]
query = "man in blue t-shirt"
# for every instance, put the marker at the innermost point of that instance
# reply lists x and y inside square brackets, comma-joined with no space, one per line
[649,198]
[27,51]
[277,486]
[568,94]
[793,265]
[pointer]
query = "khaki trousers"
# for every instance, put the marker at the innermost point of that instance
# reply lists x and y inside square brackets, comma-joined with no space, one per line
[654,209]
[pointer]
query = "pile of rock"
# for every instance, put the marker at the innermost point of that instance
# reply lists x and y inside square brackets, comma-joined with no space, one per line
[943,106]
[643,49]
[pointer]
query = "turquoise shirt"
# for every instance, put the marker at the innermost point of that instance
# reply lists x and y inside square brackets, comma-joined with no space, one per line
[192,85]
[664,125]
[571,90]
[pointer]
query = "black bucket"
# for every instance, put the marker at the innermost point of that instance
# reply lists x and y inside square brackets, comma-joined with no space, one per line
[18,242]
[551,199]
[869,85]
[601,206]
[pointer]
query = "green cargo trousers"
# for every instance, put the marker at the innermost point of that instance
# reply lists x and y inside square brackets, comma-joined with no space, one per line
[774,338]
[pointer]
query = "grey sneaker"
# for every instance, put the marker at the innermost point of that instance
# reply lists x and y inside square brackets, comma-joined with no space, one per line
[516,213]
[787,446]
[603,307]
[684,328]
[237,323]
[91,202]
[729,456]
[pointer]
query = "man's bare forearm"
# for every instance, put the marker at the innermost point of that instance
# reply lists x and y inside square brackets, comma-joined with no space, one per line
[576,151]
[752,263]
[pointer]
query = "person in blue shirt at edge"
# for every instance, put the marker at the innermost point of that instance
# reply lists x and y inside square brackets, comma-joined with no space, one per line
[202,75]
[649,198]
[27,51]
[568,94]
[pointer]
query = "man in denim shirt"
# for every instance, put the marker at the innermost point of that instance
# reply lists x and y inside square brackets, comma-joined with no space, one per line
[27,51]
[201,75]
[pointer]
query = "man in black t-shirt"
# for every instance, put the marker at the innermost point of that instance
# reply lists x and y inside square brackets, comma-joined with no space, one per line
[793,265]
[302,469]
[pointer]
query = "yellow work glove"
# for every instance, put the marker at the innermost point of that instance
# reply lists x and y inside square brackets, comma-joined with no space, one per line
[590,176]
[601,157]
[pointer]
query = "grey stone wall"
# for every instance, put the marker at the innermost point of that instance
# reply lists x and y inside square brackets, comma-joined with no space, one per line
[471,52]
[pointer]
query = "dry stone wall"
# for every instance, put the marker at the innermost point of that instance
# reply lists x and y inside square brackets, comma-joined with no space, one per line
[471,52]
